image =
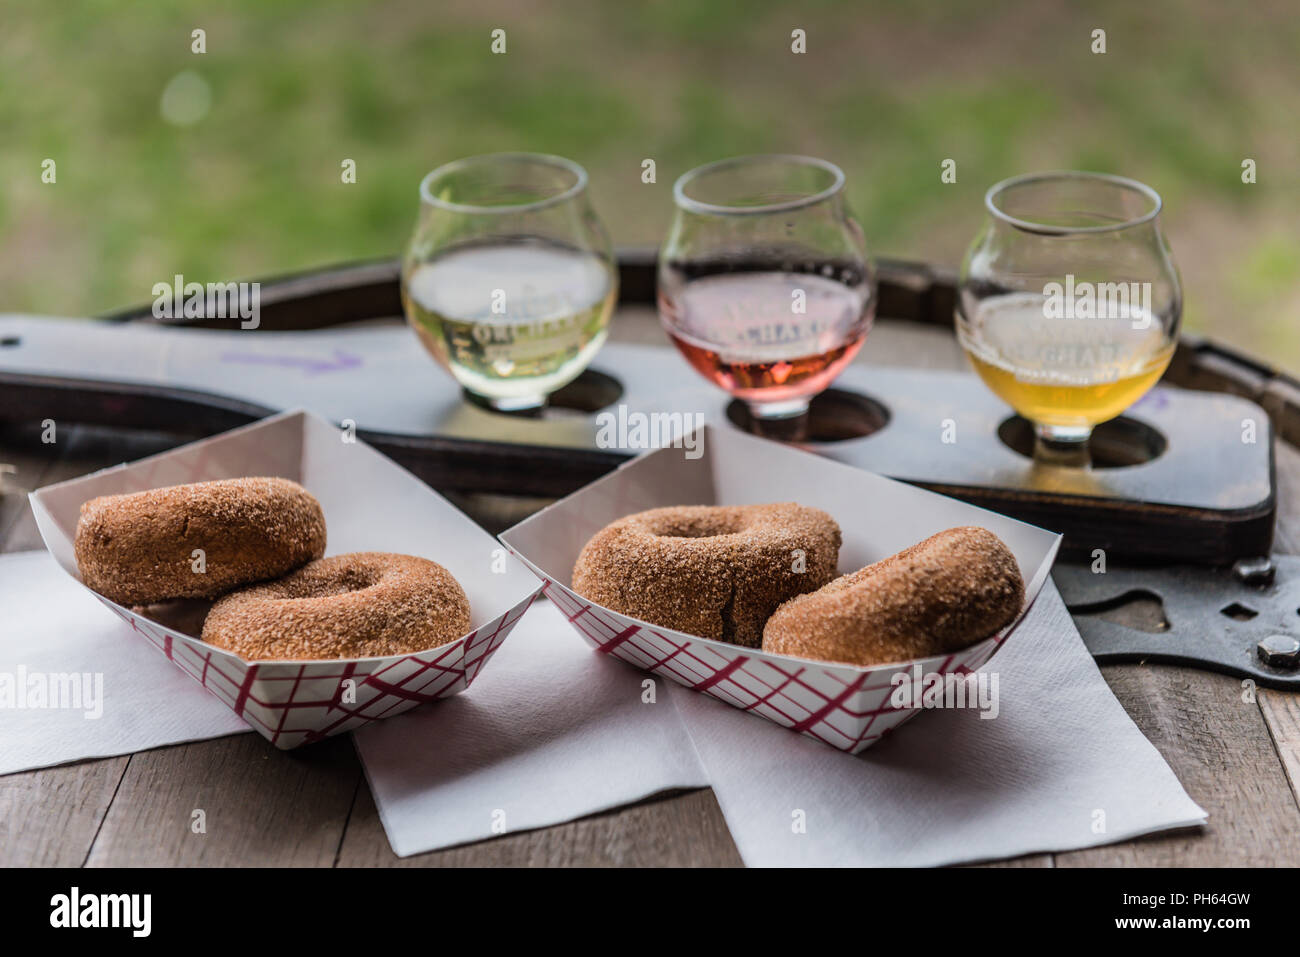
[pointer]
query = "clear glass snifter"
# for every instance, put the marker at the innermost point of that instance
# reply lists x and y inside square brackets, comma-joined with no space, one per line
[765,285]
[509,278]
[1069,303]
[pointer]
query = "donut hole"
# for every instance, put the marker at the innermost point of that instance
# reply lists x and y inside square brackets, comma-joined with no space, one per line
[340,582]
[707,527]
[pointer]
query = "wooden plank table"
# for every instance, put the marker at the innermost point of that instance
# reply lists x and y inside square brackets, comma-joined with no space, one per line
[1239,759]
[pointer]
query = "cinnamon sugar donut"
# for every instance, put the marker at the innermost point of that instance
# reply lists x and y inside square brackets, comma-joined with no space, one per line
[936,597]
[138,549]
[362,605]
[713,571]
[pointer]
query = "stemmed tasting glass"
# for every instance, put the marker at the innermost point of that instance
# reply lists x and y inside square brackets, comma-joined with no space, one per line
[509,278]
[765,285]
[1069,303]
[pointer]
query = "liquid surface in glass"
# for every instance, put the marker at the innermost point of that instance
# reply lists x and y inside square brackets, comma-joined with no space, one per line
[1063,372]
[767,336]
[511,319]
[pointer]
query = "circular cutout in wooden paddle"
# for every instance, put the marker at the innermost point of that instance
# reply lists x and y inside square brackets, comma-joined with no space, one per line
[590,392]
[1116,444]
[835,415]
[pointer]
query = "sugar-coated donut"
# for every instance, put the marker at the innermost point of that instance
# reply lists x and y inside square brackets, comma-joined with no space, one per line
[140,548]
[362,605]
[936,597]
[713,571]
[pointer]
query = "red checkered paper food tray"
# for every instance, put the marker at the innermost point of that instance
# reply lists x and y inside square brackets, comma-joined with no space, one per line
[846,707]
[370,504]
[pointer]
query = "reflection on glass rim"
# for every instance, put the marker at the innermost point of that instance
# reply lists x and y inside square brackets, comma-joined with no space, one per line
[1047,229]
[699,206]
[538,159]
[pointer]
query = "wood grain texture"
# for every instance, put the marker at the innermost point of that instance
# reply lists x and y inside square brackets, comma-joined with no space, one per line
[30,465]
[676,830]
[49,818]
[1281,712]
[1029,860]
[263,807]
[1287,536]
[1222,752]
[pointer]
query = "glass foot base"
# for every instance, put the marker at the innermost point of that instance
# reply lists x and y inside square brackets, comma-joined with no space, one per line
[785,409]
[513,405]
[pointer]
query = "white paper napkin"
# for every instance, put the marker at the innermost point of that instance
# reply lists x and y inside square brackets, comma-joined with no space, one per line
[76,682]
[1062,766]
[549,733]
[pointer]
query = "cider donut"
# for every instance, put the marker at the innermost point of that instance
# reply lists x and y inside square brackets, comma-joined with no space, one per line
[936,597]
[138,549]
[713,571]
[362,605]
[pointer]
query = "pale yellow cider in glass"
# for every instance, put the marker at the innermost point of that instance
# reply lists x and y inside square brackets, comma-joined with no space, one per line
[512,319]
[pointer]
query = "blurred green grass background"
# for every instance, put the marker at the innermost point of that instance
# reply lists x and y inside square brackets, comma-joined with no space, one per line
[888,90]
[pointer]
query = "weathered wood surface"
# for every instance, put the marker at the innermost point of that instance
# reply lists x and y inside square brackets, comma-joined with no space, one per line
[1238,759]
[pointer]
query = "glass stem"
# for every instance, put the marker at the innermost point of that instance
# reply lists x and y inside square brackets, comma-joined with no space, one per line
[1066,446]
[786,421]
